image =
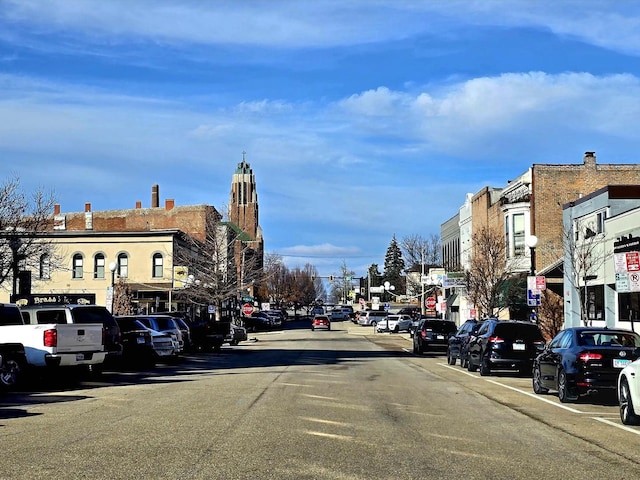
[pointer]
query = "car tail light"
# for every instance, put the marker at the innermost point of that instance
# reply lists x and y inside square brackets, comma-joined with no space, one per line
[51,338]
[495,339]
[587,356]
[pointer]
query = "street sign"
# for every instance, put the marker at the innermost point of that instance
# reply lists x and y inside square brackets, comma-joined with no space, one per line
[430,303]
[247,309]
[533,298]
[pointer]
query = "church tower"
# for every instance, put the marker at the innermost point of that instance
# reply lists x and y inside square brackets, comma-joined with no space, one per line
[243,201]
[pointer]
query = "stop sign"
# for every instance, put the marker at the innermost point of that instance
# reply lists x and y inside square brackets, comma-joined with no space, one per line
[430,303]
[247,309]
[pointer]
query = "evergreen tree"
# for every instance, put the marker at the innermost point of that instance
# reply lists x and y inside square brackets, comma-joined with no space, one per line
[394,266]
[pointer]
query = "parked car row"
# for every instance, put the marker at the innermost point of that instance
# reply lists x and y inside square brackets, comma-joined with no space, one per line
[576,363]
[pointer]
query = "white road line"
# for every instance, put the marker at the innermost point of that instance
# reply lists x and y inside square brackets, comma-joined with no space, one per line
[617,425]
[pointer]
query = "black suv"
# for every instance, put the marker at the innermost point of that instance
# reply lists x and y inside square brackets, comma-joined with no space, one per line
[432,334]
[505,345]
[459,342]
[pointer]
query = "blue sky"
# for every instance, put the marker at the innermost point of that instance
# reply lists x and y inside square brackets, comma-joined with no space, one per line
[361,119]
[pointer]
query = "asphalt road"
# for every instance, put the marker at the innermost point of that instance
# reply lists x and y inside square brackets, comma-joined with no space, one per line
[296,404]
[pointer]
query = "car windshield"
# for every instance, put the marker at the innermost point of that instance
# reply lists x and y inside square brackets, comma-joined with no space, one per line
[609,338]
[521,331]
[444,326]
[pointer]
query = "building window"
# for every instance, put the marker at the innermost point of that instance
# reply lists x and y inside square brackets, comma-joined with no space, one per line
[77,266]
[98,266]
[600,222]
[518,234]
[45,267]
[157,265]
[123,265]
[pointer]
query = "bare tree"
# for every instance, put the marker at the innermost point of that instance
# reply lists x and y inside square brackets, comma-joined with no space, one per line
[23,222]
[220,266]
[342,284]
[550,314]
[417,250]
[488,275]
[122,298]
[585,254]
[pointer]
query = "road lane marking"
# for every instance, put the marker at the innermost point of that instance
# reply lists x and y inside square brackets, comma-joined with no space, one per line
[319,396]
[326,422]
[617,425]
[329,435]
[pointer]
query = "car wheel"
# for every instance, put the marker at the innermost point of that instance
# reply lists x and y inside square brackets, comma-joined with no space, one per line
[396,330]
[464,363]
[234,342]
[627,412]
[563,388]
[537,382]
[312,329]
[9,373]
[451,360]
[470,366]
[485,367]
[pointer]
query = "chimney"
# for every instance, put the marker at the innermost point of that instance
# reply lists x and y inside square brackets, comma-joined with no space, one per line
[155,196]
[590,158]
[56,209]
[138,204]
[87,207]
[169,204]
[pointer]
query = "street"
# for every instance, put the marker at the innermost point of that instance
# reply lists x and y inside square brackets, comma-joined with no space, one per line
[297,404]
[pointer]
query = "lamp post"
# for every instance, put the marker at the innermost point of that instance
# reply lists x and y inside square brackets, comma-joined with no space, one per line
[532,242]
[14,244]
[387,287]
[113,266]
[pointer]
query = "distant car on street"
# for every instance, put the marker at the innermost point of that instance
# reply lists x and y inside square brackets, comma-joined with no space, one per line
[395,322]
[321,322]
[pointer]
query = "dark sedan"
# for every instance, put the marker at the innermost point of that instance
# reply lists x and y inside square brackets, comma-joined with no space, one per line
[459,342]
[137,343]
[504,345]
[432,334]
[584,360]
[257,321]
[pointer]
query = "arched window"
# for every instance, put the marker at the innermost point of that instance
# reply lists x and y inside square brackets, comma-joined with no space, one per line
[77,266]
[98,266]
[45,267]
[157,268]
[123,265]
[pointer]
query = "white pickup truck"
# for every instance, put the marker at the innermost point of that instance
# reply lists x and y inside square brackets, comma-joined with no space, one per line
[52,344]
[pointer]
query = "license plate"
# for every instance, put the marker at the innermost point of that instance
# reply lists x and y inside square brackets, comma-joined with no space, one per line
[140,340]
[440,337]
[79,356]
[519,346]
[620,363]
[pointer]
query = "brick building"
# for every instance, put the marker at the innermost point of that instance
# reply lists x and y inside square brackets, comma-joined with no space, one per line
[143,246]
[532,204]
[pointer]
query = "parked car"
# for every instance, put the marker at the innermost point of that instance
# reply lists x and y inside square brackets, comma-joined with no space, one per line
[584,360]
[371,317]
[414,312]
[186,332]
[459,342]
[321,321]
[339,314]
[277,319]
[79,314]
[504,345]
[317,310]
[629,393]
[257,321]
[137,343]
[395,323]
[236,335]
[163,343]
[165,324]
[432,334]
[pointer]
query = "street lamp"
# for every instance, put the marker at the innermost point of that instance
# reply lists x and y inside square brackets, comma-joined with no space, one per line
[532,242]
[113,266]
[387,286]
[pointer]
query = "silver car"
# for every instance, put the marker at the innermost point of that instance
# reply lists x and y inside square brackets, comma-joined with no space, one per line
[395,323]
[371,317]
